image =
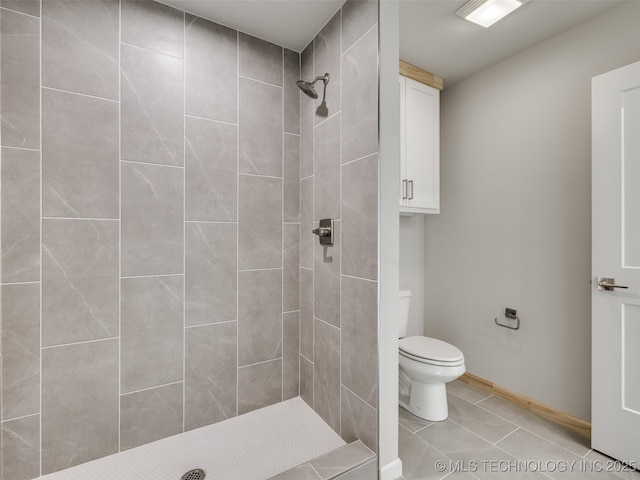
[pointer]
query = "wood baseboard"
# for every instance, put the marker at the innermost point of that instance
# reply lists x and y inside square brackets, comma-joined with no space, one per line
[558,416]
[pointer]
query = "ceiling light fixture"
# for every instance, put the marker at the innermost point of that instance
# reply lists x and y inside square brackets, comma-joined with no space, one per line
[487,12]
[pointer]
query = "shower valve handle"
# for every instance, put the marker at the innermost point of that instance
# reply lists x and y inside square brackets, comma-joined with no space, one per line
[322,232]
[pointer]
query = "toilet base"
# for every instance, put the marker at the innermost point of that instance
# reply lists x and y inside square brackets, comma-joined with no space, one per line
[427,401]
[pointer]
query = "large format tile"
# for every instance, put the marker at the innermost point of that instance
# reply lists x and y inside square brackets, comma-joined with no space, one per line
[79,155]
[21,448]
[359,350]
[211,75]
[20,350]
[153,26]
[80,46]
[259,316]
[260,128]
[20,216]
[79,280]
[291,268]
[326,285]
[79,404]
[418,458]
[291,355]
[291,178]
[360,88]
[360,218]
[30,7]
[326,374]
[152,107]
[291,92]
[306,313]
[485,424]
[306,223]
[152,332]
[259,385]
[20,80]
[211,166]
[467,392]
[306,381]
[358,420]
[558,434]
[342,459]
[327,60]
[150,415]
[327,170]
[211,273]
[306,115]
[358,16]
[210,374]
[368,471]
[410,421]
[301,472]
[260,222]
[260,60]
[152,219]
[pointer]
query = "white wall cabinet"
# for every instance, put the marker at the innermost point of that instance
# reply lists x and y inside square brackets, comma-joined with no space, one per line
[420,147]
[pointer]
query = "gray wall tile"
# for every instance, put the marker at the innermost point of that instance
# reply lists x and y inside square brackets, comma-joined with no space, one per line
[259,385]
[154,26]
[152,107]
[20,79]
[360,86]
[211,375]
[211,69]
[260,128]
[358,420]
[359,349]
[368,471]
[291,91]
[327,169]
[291,355]
[79,403]
[360,218]
[150,415]
[327,60]
[260,219]
[326,284]
[79,155]
[306,381]
[211,163]
[211,273]
[20,215]
[30,7]
[306,313]
[291,178]
[358,16]
[291,272]
[260,60]
[20,350]
[301,472]
[306,223]
[259,316]
[152,219]
[21,448]
[79,280]
[341,459]
[326,373]
[80,46]
[152,332]
[307,109]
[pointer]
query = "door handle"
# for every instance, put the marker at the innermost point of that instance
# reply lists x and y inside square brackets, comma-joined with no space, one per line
[410,189]
[607,283]
[404,189]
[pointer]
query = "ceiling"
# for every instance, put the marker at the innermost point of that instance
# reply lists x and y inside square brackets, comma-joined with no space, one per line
[431,35]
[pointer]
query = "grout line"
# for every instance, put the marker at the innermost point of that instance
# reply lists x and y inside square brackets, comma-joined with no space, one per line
[586,454]
[260,269]
[128,277]
[87,219]
[80,94]
[21,13]
[150,388]
[210,324]
[307,177]
[282,231]
[238,221]
[306,359]
[119,225]
[292,134]
[358,159]
[261,363]
[326,323]
[153,164]
[208,221]
[20,148]
[5,420]
[256,175]
[356,42]
[209,119]
[184,223]
[41,309]
[19,283]
[518,427]
[260,81]
[326,119]
[340,228]
[150,50]
[49,347]
[291,311]
[312,213]
[359,278]
[361,399]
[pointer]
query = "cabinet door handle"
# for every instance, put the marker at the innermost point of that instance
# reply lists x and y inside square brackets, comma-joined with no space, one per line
[404,189]
[410,189]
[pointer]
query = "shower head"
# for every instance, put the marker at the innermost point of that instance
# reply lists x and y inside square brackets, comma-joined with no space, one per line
[308,87]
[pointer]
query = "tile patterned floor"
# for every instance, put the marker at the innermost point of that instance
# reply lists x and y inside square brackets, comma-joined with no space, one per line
[486,437]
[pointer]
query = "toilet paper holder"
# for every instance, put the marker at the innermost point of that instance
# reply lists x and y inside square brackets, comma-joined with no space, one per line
[511,314]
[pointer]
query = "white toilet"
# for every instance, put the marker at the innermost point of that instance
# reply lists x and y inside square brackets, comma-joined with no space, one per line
[426,365]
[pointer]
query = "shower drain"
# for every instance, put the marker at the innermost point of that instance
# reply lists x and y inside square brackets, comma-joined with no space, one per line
[195,474]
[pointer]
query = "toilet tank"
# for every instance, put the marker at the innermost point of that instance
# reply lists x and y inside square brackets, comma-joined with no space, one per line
[404,301]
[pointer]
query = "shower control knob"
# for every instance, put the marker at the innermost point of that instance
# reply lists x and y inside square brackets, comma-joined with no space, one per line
[322,232]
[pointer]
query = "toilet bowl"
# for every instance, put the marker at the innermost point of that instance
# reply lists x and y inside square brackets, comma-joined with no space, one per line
[426,366]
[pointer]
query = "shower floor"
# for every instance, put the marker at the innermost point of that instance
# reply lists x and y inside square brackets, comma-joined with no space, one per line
[254,446]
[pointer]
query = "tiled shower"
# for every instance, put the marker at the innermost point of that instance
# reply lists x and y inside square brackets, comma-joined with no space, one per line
[161,175]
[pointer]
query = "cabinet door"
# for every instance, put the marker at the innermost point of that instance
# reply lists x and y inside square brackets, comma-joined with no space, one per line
[422,144]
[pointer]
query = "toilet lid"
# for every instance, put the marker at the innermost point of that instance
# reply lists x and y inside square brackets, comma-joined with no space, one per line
[430,349]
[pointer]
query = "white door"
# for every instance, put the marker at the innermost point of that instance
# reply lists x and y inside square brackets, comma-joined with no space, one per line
[615,387]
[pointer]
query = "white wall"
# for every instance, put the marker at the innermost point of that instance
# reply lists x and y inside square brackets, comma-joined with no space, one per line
[515,224]
[412,269]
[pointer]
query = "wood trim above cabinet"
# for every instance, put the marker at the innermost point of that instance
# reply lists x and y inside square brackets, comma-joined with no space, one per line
[420,75]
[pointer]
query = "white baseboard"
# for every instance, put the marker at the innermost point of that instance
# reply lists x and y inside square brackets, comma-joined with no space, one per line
[392,470]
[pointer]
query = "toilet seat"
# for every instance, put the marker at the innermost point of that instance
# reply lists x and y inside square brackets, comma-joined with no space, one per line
[430,351]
